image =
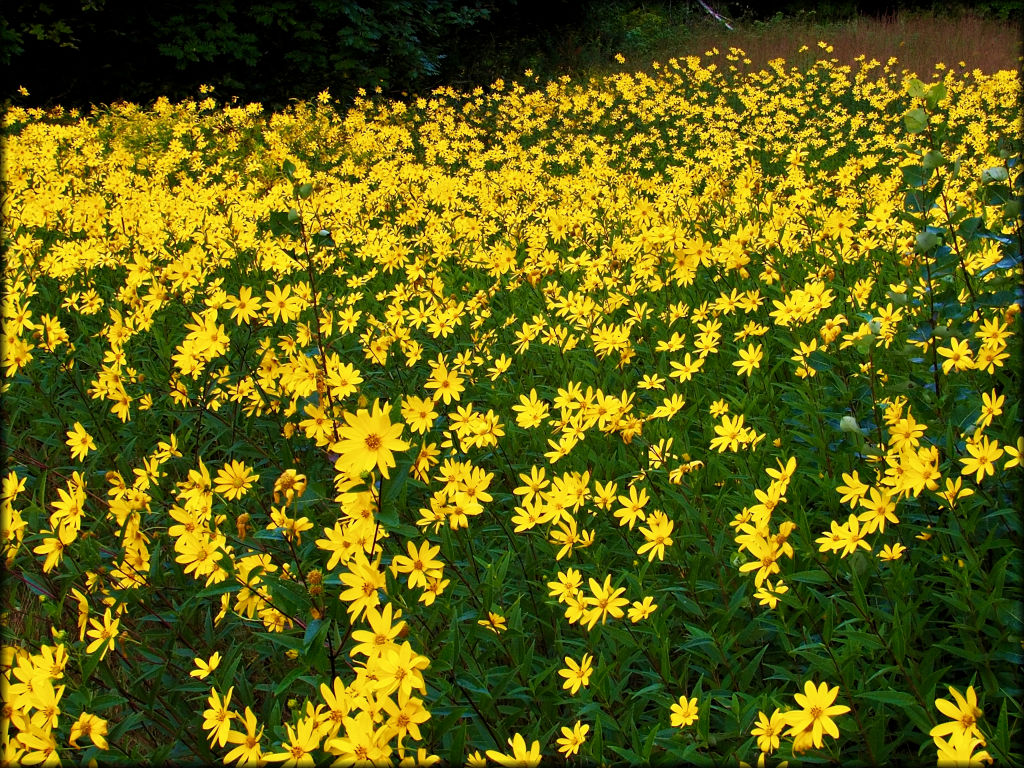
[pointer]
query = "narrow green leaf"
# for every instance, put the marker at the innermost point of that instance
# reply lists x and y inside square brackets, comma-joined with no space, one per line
[896,698]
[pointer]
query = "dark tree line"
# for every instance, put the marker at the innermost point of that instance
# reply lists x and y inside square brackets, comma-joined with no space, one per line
[77,52]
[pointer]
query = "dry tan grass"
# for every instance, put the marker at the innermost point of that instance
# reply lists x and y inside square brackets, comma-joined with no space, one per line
[919,42]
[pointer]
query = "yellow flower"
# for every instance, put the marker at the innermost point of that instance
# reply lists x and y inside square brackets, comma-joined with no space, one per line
[991,406]
[400,670]
[80,441]
[303,738]
[632,508]
[963,715]
[41,746]
[282,304]
[449,384]
[958,751]
[420,564]
[368,441]
[572,738]
[815,716]
[217,717]
[852,490]
[45,699]
[750,359]
[767,730]
[577,675]
[520,757]
[881,508]
[204,668]
[1014,452]
[363,580]
[658,535]
[957,354]
[982,461]
[290,484]
[684,712]
[233,480]
[434,588]
[494,622]
[243,308]
[418,413]
[103,633]
[605,601]
[363,743]
[768,593]
[729,434]
[248,751]
[93,727]
[639,611]
[892,552]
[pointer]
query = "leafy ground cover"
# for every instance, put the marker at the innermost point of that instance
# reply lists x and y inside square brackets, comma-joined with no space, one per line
[657,417]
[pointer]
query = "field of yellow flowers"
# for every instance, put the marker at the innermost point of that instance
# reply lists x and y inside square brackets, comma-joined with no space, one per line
[653,418]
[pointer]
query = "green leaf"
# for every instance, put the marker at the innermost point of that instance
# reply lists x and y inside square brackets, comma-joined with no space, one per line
[810,577]
[394,493]
[628,755]
[89,664]
[219,589]
[995,174]
[1002,737]
[282,223]
[290,678]
[126,725]
[933,159]
[914,175]
[970,227]
[287,641]
[37,586]
[915,89]
[935,95]
[314,629]
[995,194]
[457,752]
[896,698]
[925,241]
[916,120]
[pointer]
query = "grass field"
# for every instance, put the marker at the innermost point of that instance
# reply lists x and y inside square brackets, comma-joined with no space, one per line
[918,41]
[667,416]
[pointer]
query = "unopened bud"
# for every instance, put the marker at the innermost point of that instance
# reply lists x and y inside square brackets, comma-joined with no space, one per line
[849,424]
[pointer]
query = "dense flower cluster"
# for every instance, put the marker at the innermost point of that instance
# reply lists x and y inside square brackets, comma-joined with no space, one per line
[461,404]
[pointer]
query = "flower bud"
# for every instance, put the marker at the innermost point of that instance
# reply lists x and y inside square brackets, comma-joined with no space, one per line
[849,424]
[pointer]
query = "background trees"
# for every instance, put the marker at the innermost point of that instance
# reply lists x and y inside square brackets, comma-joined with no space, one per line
[76,52]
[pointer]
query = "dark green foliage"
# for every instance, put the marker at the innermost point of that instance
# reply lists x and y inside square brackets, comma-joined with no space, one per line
[81,52]
[108,50]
